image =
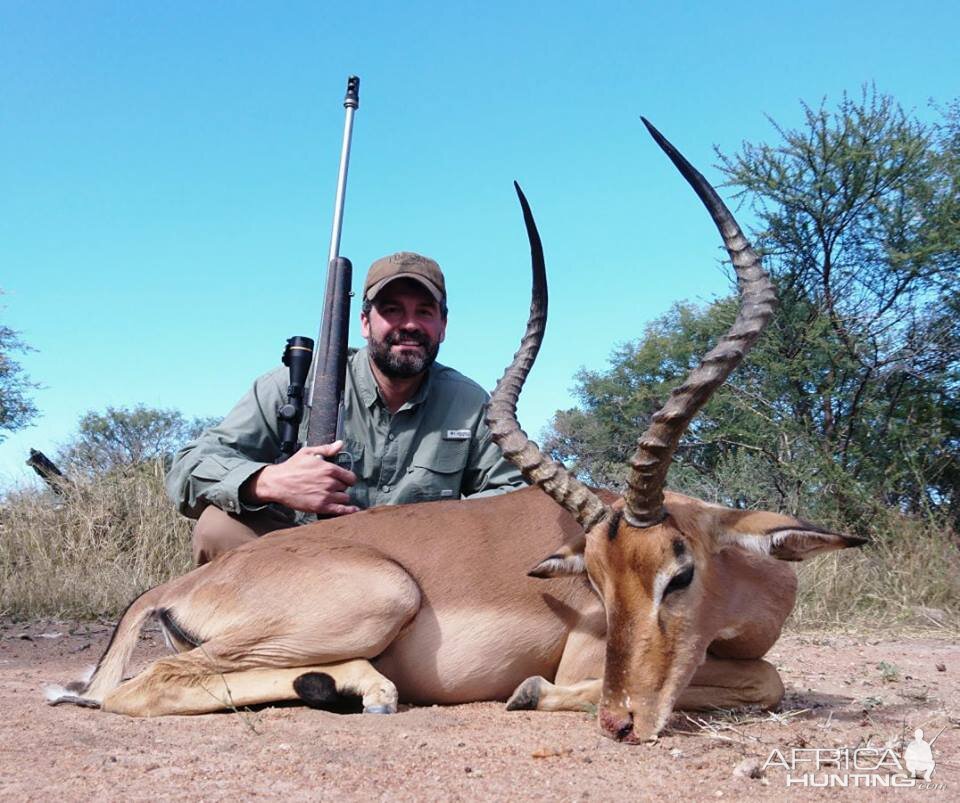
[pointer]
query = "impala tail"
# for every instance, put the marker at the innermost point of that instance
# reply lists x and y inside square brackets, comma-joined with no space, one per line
[108,673]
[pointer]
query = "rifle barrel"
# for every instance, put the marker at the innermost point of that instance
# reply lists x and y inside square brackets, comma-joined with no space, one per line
[351,103]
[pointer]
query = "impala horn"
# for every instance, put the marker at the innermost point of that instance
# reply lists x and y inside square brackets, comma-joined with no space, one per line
[655,447]
[501,417]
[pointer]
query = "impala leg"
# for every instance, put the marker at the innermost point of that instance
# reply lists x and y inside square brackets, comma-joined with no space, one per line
[578,678]
[539,694]
[732,683]
[351,678]
[585,648]
[260,651]
[183,685]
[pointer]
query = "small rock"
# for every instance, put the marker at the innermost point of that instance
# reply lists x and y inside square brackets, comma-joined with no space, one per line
[941,667]
[676,753]
[749,768]
[551,752]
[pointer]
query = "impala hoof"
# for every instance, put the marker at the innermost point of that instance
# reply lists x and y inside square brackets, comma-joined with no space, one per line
[527,695]
[380,709]
[72,699]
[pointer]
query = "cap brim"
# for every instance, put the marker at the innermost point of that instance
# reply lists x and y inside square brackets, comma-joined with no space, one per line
[430,286]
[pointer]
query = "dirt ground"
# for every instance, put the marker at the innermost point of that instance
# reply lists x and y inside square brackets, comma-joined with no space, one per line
[842,691]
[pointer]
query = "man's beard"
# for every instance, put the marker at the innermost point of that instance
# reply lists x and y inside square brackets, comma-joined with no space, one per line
[407,364]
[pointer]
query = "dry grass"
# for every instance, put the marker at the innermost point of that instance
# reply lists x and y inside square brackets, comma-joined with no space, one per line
[91,551]
[908,576]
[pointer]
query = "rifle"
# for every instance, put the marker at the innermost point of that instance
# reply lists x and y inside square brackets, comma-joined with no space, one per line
[329,361]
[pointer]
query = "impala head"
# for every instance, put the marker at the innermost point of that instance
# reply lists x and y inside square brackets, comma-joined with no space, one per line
[656,558]
[666,592]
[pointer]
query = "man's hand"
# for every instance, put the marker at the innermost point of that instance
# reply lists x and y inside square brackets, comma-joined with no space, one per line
[305,482]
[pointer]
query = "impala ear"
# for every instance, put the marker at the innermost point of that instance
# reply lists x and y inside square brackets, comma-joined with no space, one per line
[566,560]
[775,534]
[800,543]
[796,542]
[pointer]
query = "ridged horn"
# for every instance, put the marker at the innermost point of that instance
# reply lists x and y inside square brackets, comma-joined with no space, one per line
[501,417]
[655,448]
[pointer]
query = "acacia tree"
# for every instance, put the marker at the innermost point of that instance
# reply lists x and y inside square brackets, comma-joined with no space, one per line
[16,408]
[125,437]
[852,397]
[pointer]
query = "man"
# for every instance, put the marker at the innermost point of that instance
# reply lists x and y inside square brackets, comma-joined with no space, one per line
[413,428]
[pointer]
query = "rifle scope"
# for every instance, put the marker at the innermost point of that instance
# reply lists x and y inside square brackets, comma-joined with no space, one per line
[297,357]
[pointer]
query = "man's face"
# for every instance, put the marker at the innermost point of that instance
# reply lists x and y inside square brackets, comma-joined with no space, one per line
[404,329]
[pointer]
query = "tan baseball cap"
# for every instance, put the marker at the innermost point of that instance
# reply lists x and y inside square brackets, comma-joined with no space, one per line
[405,265]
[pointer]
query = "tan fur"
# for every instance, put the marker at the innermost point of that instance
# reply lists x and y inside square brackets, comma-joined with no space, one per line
[727,618]
[431,603]
[173,686]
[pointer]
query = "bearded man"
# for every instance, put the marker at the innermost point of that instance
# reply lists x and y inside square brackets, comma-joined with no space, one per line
[413,428]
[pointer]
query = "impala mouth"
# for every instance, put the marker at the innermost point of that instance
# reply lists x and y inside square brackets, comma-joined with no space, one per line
[616,726]
[623,726]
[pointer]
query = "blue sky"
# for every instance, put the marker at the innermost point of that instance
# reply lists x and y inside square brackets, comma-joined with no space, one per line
[169,170]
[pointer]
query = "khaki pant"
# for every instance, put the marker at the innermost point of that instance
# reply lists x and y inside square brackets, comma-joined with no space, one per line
[217,532]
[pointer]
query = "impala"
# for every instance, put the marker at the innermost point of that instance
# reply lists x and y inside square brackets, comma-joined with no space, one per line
[656,600]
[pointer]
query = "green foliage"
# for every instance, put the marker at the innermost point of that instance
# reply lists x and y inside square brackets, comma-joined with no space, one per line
[123,437]
[16,408]
[851,401]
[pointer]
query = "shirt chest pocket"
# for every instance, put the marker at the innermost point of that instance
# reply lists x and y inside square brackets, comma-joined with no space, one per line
[351,457]
[436,472]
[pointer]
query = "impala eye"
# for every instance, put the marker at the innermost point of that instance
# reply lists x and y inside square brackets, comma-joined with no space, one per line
[680,581]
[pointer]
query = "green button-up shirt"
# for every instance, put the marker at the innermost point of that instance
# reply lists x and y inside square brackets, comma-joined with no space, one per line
[436,446]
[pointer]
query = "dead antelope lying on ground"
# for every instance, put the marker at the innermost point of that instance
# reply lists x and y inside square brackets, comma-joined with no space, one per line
[659,601]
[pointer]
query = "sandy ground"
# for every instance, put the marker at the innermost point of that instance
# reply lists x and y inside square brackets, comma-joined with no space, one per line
[842,691]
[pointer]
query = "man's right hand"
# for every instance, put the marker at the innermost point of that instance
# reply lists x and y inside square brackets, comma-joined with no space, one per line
[307,482]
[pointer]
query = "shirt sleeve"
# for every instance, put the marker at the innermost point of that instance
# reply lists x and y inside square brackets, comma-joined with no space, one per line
[211,469]
[488,472]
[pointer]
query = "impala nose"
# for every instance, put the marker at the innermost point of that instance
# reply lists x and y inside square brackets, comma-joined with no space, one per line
[616,725]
